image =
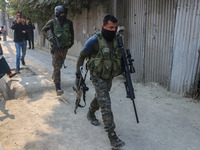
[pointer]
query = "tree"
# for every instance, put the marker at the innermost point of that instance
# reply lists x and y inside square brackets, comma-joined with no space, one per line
[3,8]
[42,10]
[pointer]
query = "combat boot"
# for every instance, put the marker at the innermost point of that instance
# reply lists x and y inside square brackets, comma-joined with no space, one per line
[115,142]
[59,91]
[92,118]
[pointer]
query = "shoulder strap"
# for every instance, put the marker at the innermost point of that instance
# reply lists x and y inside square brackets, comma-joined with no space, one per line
[52,25]
[54,22]
[97,34]
[101,40]
[115,43]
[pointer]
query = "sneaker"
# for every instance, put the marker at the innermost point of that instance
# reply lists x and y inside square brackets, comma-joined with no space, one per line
[12,75]
[92,118]
[23,62]
[115,142]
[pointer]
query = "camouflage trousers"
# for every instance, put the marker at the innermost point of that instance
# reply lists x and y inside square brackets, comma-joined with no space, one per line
[57,62]
[102,100]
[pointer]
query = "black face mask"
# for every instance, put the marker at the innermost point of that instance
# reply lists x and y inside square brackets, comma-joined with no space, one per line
[61,18]
[108,35]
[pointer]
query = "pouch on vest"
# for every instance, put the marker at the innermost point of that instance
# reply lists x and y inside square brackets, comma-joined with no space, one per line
[117,63]
[95,65]
[97,70]
[106,63]
[63,33]
[107,68]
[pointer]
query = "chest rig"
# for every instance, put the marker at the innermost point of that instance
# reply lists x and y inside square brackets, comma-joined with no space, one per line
[106,64]
[63,33]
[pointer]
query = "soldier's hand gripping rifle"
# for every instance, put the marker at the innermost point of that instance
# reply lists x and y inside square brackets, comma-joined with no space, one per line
[128,67]
[81,89]
[57,46]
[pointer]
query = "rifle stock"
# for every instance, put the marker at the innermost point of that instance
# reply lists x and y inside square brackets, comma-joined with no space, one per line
[128,67]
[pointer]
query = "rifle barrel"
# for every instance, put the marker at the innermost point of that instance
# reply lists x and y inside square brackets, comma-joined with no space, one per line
[128,83]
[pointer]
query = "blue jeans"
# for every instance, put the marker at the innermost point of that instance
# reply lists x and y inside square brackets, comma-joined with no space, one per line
[19,45]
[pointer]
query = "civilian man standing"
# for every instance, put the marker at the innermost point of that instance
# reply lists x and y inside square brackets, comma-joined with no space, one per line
[20,35]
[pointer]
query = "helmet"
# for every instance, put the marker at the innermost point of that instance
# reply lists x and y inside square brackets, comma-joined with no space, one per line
[60,9]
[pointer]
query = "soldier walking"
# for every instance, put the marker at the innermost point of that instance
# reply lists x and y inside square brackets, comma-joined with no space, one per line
[104,64]
[63,30]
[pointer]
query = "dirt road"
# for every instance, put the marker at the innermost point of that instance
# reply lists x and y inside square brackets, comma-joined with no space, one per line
[39,120]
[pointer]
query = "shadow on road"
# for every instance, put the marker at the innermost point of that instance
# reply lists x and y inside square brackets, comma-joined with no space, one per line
[5,111]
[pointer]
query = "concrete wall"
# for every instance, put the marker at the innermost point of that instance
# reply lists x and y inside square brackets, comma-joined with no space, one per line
[84,26]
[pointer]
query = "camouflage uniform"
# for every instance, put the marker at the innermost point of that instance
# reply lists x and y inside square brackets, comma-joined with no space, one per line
[102,100]
[102,86]
[57,60]
[105,63]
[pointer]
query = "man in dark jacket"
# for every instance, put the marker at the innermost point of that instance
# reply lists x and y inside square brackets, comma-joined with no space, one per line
[20,36]
[31,27]
[63,30]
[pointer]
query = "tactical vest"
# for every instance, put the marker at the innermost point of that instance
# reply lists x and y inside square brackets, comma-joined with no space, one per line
[63,33]
[106,64]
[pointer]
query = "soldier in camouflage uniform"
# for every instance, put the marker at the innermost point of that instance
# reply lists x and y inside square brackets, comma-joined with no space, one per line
[63,29]
[105,60]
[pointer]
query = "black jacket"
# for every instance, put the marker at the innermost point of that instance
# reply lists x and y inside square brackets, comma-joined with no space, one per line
[20,31]
[31,27]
